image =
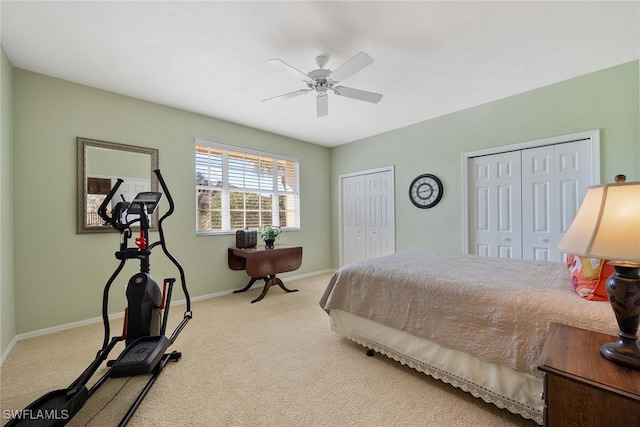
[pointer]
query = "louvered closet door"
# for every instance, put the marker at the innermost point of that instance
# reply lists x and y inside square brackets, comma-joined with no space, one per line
[494,205]
[553,183]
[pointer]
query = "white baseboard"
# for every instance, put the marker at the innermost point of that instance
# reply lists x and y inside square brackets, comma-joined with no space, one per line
[256,286]
[119,315]
[66,326]
[8,350]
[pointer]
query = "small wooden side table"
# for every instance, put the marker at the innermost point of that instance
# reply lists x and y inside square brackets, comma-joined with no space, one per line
[261,263]
[582,388]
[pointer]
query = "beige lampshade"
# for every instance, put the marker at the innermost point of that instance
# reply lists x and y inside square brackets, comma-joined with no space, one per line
[607,225]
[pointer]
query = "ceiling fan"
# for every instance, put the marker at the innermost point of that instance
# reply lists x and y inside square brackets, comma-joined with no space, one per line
[323,80]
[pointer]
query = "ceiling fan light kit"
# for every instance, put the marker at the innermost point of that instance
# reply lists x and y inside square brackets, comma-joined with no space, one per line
[322,80]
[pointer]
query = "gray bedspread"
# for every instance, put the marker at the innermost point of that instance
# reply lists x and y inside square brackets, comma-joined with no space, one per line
[498,310]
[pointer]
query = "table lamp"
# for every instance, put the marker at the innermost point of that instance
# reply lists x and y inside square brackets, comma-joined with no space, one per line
[607,226]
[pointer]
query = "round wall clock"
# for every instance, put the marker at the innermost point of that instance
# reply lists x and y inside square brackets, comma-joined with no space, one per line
[425,191]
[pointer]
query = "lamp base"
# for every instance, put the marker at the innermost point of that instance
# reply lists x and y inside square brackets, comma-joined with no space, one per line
[623,352]
[623,289]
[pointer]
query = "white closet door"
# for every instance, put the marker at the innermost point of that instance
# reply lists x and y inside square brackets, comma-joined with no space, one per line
[367,221]
[494,205]
[552,176]
[130,188]
[379,214]
[353,219]
[574,175]
[128,191]
[553,183]
[539,194]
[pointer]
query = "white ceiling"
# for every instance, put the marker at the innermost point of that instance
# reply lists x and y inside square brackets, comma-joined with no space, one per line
[431,58]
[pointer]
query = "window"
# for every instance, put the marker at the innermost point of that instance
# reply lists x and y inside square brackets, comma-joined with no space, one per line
[97,190]
[236,189]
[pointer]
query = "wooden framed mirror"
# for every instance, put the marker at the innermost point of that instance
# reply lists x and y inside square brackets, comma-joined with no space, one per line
[100,164]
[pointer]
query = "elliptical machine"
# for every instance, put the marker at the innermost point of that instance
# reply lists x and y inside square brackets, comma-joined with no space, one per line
[145,317]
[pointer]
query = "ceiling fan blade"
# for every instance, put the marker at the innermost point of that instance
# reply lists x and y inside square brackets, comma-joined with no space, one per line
[350,67]
[287,95]
[322,104]
[289,69]
[362,95]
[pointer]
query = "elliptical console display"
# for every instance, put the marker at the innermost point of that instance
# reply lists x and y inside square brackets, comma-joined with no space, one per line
[148,199]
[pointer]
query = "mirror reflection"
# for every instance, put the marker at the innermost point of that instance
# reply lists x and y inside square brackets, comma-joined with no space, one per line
[100,164]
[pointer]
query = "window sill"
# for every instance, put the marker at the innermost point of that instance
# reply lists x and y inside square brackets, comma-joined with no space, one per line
[233,232]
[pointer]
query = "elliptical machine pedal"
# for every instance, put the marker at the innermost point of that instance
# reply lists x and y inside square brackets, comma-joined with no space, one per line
[141,357]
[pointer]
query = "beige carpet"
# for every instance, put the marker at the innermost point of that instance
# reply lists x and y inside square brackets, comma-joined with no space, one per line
[272,363]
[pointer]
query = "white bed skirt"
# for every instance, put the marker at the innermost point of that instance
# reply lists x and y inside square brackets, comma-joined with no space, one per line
[504,387]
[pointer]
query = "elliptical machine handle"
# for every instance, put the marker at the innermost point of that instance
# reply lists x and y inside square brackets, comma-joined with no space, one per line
[166,193]
[183,282]
[102,210]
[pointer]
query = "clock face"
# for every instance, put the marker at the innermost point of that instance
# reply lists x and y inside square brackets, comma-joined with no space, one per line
[425,191]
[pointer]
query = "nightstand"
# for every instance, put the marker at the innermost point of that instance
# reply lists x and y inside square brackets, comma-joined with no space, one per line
[581,388]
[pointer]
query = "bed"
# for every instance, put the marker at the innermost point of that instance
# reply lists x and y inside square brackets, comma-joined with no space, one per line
[474,322]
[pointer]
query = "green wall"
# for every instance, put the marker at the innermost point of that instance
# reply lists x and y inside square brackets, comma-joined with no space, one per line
[59,275]
[7,311]
[606,100]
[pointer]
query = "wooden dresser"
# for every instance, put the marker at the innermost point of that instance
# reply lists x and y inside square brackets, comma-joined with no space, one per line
[581,388]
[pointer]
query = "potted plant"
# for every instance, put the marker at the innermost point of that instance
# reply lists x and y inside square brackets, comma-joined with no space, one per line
[269,234]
